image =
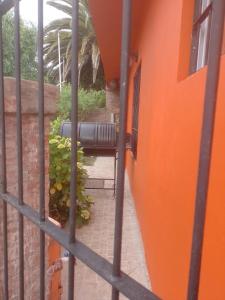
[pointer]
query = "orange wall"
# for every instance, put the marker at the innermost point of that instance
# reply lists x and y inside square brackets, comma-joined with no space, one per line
[106,16]
[163,178]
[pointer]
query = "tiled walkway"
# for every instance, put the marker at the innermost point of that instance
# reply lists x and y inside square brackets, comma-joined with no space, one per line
[98,235]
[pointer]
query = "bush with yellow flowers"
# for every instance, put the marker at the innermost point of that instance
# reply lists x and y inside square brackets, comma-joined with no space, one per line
[60,172]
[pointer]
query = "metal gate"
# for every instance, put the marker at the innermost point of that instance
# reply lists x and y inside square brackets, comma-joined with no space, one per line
[120,282]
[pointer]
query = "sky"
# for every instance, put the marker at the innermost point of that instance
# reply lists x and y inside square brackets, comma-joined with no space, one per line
[29,12]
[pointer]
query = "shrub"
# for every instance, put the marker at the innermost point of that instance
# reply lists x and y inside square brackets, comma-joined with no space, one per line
[88,100]
[60,171]
[64,102]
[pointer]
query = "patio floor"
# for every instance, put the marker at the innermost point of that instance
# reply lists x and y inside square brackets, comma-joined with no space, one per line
[98,235]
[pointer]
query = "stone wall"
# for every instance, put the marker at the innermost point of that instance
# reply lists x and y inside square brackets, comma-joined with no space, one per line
[31,181]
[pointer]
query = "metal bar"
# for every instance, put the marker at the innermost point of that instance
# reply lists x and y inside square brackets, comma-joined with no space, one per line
[2,116]
[89,187]
[125,284]
[105,189]
[41,146]
[3,180]
[124,76]
[5,6]
[74,119]
[98,178]
[114,181]
[206,146]
[59,56]
[5,253]
[19,147]
[203,16]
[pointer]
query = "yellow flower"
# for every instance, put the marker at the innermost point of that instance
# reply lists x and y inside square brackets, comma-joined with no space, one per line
[58,186]
[52,191]
[61,146]
[53,141]
[85,214]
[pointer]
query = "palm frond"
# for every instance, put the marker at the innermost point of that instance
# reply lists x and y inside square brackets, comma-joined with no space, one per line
[88,48]
[95,60]
[59,24]
[64,8]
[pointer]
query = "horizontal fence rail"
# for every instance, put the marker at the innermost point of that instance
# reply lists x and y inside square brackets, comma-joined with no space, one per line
[5,6]
[123,283]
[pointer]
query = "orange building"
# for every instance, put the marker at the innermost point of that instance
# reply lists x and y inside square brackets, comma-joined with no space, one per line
[167,79]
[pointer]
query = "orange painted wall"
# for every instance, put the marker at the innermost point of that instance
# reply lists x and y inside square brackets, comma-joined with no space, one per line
[106,16]
[163,179]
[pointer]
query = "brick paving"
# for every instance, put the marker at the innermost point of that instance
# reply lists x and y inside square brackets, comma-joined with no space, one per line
[98,235]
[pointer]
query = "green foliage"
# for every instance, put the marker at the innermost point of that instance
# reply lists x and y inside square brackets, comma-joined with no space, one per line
[64,103]
[88,100]
[28,48]
[60,172]
[86,81]
[90,67]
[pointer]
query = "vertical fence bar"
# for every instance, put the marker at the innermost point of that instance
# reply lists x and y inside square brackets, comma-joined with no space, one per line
[19,147]
[5,252]
[206,146]
[41,146]
[74,79]
[124,76]
[2,113]
[3,181]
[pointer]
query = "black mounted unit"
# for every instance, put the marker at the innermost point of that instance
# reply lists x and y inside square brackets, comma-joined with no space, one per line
[96,138]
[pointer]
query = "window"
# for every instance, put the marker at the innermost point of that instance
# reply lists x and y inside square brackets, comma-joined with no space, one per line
[134,135]
[201,34]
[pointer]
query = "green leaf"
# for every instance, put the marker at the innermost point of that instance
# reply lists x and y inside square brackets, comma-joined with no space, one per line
[59,173]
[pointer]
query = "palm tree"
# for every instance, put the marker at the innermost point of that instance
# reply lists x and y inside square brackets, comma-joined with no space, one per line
[88,48]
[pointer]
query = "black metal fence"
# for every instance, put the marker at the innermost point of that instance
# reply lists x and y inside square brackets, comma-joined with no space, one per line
[120,282]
